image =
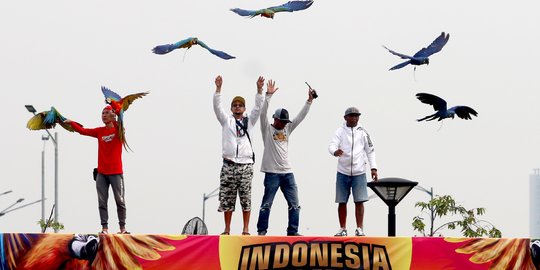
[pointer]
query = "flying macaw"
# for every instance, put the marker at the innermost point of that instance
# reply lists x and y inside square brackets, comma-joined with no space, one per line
[47,120]
[269,12]
[422,56]
[120,105]
[187,43]
[442,112]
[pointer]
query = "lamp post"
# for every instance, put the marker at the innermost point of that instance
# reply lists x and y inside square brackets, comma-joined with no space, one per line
[206,197]
[6,192]
[54,139]
[392,191]
[431,208]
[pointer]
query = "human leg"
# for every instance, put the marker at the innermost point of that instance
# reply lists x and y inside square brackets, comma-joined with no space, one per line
[359,190]
[343,191]
[271,185]
[290,191]
[117,184]
[102,188]
[245,173]
[227,194]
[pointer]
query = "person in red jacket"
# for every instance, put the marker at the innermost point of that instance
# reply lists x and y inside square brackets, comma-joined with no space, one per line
[109,170]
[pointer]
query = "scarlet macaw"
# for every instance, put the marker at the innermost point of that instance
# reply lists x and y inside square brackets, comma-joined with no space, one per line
[421,57]
[269,12]
[120,105]
[187,43]
[47,120]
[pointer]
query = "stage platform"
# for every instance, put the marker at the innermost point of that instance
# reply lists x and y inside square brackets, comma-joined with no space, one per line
[208,252]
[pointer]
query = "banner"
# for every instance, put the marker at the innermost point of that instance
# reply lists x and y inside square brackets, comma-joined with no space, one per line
[132,251]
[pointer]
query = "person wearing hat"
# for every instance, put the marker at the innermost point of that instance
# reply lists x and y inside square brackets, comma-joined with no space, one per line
[109,170]
[275,163]
[354,148]
[237,153]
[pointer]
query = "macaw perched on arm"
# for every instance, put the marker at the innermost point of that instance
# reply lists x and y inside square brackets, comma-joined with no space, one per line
[187,43]
[439,105]
[120,105]
[269,12]
[422,56]
[47,120]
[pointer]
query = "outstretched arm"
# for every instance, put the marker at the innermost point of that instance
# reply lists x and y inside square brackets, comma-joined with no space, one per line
[218,110]
[92,132]
[256,111]
[302,114]
[270,90]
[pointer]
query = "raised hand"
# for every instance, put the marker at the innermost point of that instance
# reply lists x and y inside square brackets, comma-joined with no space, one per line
[271,87]
[260,84]
[219,83]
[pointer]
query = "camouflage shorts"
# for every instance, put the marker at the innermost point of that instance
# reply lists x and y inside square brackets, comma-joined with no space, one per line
[235,178]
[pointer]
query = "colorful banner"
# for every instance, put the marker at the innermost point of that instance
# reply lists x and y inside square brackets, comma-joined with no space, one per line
[115,251]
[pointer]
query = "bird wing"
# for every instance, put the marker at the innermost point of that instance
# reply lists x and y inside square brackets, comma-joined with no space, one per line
[167,48]
[292,6]
[244,12]
[108,93]
[434,47]
[464,112]
[127,100]
[126,251]
[403,56]
[398,66]
[217,53]
[37,121]
[438,103]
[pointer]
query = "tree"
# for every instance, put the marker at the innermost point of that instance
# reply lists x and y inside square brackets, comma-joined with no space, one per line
[468,223]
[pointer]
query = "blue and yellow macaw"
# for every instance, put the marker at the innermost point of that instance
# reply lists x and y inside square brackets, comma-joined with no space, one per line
[120,105]
[187,43]
[269,12]
[47,120]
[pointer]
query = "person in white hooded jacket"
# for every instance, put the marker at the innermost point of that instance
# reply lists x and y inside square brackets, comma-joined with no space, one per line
[354,149]
[237,152]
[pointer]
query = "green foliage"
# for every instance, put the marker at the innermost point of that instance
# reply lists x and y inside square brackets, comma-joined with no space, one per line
[468,222]
[56,226]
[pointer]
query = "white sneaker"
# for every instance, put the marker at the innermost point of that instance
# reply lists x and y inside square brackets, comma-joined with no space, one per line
[341,232]
[359,232]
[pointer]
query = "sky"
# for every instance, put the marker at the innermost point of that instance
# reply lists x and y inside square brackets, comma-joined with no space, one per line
[59,53]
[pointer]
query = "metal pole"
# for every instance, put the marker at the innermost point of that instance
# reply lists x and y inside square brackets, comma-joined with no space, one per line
[392,220]
[43,183]
[56,178]
[203,205]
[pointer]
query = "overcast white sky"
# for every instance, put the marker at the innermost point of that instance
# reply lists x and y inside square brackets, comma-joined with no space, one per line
[59,53]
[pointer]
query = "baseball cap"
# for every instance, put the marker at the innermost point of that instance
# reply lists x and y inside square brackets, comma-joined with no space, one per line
[352,110]
[238,99]
[282,115]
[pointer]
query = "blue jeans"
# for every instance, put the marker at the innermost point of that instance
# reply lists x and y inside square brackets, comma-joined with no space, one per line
[284,181]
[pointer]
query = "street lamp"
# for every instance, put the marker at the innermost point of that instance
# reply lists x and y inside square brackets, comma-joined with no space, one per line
[7,210]
[6,192]
[392,191]
[431,207]
[54,139]
[206,197]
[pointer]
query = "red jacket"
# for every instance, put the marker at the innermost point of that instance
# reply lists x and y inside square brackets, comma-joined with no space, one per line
[109,147]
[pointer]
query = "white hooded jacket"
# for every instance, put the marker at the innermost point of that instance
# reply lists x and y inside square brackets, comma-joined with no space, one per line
[357,150]
[236,148]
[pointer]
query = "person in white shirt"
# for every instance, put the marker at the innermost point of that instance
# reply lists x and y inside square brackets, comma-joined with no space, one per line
[275,163]
[354,148]
[237,152]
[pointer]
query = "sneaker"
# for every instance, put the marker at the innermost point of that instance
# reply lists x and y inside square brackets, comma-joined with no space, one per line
[294,234]
[341,232]
[261,233]
[359,232]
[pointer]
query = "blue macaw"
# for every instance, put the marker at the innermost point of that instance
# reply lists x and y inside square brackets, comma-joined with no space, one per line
[47,120]
[269,12]
[422,56]
[187,43]
[439,104]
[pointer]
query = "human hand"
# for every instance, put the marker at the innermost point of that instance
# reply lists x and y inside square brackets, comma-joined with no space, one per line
[338,153]
[374,175]
[271,87]
[219,82]
[260,84]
